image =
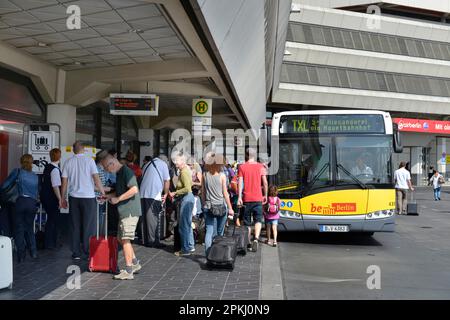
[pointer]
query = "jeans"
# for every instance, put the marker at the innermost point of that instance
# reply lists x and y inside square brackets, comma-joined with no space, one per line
[214,226]
[24,215]
[437,193]
[185,223]
[51,225]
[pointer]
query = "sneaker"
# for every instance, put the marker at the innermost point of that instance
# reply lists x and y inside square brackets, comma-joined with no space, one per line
[255,245]
[181,254]
[192,250]
[123,275]
[136,268]
[274,244]
[76,257]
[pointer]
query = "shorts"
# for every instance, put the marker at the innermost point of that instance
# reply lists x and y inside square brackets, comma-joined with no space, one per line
[127,228]
[273,222]
[255,210]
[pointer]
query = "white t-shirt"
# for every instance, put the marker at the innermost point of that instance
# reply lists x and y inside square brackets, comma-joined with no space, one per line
[79,170]
[401,177]
[435,181]
[55,176]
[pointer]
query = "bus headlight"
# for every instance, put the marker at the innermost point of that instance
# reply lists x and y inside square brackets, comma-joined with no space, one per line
[381,214]
[290,214]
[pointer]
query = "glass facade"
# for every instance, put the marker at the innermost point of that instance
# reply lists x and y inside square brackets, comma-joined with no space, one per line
[363,79]
[369,41]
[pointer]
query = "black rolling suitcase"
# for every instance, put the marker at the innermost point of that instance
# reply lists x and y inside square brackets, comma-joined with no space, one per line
[411,208]
[240,235]
[222,253]
[224,249]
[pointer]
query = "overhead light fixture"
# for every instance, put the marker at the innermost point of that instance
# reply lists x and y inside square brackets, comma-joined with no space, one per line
[78,63]
[135,31]
[42,44]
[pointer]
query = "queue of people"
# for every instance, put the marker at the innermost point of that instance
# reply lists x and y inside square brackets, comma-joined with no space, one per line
[85,187]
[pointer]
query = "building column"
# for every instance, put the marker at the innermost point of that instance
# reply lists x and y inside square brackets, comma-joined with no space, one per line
[146,135]
[441,155]
[66,116]
[416,165]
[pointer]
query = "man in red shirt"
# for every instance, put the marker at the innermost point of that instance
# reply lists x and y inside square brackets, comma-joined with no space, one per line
[251,176]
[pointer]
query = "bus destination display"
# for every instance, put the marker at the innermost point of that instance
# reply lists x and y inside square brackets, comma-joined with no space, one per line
[134,104]
[332,124]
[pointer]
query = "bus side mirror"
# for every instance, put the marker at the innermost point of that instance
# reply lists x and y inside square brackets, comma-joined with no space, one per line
[398,148]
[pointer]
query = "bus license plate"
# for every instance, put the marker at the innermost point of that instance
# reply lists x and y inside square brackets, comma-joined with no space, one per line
[334,229]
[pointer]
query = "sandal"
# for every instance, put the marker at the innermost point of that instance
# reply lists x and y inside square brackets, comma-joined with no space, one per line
[274,244]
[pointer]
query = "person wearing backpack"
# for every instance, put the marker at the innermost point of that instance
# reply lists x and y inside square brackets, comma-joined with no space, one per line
[437,180]
[272,215]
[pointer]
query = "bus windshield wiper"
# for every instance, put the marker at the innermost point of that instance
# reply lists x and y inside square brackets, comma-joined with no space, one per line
[362,184]
[317,176]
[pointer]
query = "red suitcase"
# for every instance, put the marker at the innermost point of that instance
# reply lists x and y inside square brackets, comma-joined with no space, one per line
[103,249]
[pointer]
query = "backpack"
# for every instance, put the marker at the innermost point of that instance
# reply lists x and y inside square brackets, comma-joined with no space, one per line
[234,184]
[272,205]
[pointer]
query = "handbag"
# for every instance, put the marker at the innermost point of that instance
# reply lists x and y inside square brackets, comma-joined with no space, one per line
[217,210]
[11,192]
[441,180]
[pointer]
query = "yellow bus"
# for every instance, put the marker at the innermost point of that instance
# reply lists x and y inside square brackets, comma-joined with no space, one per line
[335,170]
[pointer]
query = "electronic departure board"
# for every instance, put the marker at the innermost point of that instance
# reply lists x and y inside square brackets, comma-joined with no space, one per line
[133,104]
[332,124]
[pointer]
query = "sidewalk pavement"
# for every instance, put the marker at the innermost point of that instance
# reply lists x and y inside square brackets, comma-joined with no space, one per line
[163,276]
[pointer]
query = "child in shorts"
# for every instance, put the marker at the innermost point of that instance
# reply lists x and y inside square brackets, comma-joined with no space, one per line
[272,215]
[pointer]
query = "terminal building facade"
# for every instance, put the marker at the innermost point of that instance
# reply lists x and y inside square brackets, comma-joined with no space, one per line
[340,56]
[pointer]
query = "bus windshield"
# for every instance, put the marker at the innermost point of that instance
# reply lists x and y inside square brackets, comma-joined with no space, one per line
[368,159]
[307,163]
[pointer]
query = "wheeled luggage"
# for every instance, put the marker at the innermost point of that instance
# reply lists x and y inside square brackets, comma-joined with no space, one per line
[240,235]
[222,253]
[103,250]
[39,233]
[411,208]
[6,263]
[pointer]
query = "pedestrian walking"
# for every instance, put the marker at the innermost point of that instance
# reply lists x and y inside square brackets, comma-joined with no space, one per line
[127,199]
[215,198]
[402,179]
[183,195]
[154,190]
[251,196]
[437,180]
[50,196]
[24,209]
[272,215]
[80,177]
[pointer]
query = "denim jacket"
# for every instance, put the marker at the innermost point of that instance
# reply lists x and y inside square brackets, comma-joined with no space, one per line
[27,183]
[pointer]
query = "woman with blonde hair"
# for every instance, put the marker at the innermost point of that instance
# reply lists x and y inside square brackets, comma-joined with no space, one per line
[183,195]
[25,206]
[215,198]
